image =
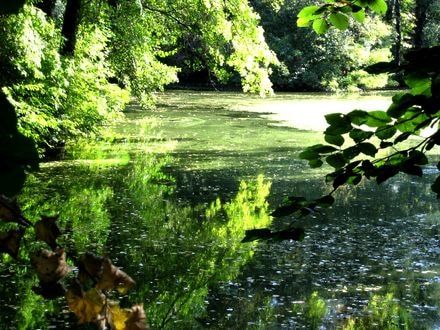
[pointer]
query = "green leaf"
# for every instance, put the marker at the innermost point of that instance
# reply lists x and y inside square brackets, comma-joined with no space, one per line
[378,6]
[419,84]
[385,132]
[402,137]
[358,117]
[359,135]
[340,180]
[351,152]
[355,179]
[339,20]
[418,158]
[377,118]
[368,149]
[413,170]
[336,140]
[336,160]
[401,102]
[303,22]
[369,169]
[336,119]
[309,154]
[315,163]
[320,26]
[385,172]
[384,145]
[359,15]
[308,12]
[322,149]
[339,124]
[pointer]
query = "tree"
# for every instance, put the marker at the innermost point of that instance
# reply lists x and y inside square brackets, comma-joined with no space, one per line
[374,148]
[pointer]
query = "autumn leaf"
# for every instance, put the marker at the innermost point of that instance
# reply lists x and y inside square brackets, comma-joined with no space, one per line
[87,306]
[10,212]
[118,316]
[50,266]
[90,267]
[47,230]
[137,319]
[10,242]
[103,273]
[114,278]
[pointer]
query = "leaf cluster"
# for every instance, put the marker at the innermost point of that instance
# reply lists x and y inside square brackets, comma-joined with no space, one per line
[337,13]
[87,294]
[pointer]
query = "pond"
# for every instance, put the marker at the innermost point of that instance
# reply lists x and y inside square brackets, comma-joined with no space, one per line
[168,195]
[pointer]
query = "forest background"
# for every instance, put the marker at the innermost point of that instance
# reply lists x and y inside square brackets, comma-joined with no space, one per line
[69,66]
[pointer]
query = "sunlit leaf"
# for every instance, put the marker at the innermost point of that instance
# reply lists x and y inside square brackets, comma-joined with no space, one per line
[359,15]
[419,84]
[308,11]
[378,6]
[303,22]
[87,306]
[320,25]
[339,20]
[377,118]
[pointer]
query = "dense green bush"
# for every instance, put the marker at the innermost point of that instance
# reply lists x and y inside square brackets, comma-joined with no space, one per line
[55,98]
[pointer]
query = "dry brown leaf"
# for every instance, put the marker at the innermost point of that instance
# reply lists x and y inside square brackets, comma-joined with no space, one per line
[114,278]
[137,319]
[87,306]
[10,212]
[10,242]
[47,230]
[50,266]
[90,267]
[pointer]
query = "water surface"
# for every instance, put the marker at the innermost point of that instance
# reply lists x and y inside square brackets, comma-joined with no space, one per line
[168,199]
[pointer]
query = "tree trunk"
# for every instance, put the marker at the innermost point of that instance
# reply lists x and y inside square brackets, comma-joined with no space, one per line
[398,47]
[420,12]
[70,26]
[390,11]
[47,6]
